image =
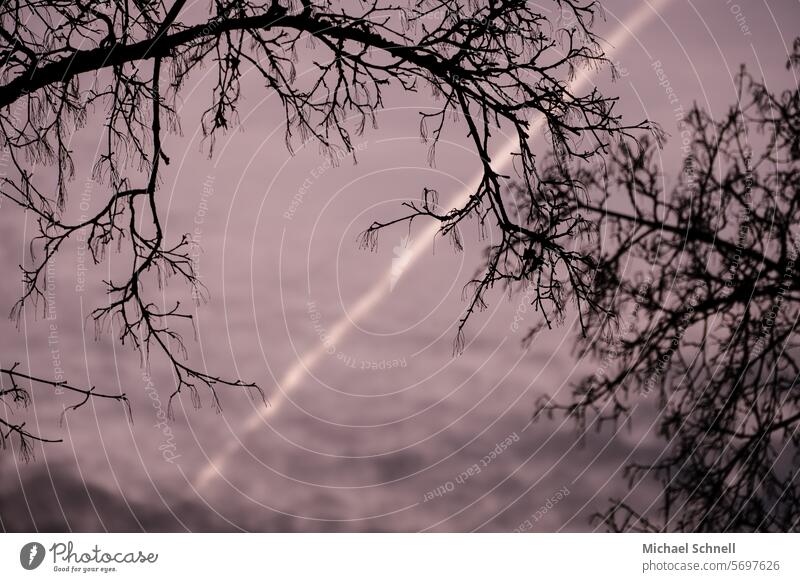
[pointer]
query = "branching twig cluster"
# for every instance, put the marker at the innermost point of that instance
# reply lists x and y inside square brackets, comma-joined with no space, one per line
[18,396]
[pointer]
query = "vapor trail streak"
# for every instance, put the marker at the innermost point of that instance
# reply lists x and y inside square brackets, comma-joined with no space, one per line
[291,380]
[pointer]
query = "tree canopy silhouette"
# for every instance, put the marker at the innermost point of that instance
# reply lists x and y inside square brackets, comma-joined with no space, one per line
[699,295]
[492,67]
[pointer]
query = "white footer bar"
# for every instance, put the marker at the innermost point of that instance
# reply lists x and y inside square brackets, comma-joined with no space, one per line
[401,557]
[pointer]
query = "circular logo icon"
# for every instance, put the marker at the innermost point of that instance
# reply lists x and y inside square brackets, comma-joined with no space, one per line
[31,555]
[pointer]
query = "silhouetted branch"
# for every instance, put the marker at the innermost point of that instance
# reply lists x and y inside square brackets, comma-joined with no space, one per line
[15,396]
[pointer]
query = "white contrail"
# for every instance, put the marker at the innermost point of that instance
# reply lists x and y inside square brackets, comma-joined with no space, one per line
[379,290]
